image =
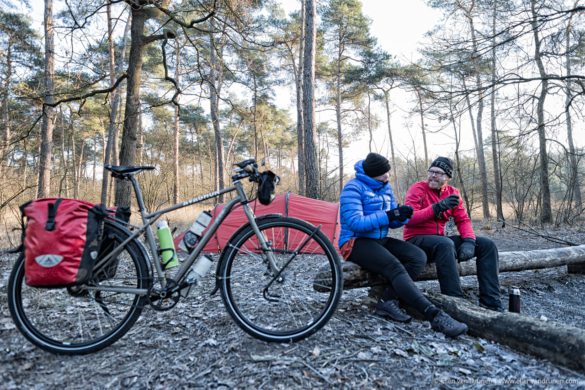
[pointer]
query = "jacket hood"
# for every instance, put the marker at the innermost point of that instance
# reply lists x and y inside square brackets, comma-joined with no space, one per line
[369,181]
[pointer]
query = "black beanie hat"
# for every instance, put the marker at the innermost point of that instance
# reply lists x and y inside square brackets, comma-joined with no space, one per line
[445,163]
[375,165]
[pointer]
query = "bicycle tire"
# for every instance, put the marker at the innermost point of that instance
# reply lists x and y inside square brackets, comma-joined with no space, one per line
[73,320]
[291,309]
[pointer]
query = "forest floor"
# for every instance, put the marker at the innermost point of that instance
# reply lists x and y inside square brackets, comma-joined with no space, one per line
[197,345]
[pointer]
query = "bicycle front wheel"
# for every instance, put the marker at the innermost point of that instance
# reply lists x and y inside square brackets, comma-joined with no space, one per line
[82,319]
[282,304]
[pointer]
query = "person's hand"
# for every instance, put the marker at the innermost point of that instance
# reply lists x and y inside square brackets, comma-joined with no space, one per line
[401,213]
[466,250]
[445,204]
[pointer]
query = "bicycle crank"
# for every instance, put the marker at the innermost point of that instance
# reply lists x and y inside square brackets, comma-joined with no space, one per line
[164,299]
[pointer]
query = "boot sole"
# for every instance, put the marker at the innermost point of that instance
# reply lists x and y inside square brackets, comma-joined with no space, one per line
[455,335]
[384,314]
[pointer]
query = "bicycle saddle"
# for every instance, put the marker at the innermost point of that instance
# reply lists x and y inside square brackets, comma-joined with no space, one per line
[128,170]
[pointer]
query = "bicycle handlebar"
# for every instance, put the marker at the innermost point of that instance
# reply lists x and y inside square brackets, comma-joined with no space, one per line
[247,168]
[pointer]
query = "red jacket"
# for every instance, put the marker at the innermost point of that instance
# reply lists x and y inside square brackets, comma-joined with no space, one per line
[423,221]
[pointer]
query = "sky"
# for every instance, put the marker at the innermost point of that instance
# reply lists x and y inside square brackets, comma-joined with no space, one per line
[397,24]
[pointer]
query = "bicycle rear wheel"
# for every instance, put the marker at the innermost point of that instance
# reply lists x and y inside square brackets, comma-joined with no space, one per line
[75,320]
[281,306]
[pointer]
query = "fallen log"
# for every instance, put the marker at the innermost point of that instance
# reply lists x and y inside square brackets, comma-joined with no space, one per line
[356,277]
[550,340]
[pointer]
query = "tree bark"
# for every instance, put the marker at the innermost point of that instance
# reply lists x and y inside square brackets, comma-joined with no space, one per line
[115,68]
[546,211]
[495,138]
[215,81]
[311,162]
[300,121]
[573,184]
[177,131]
[4,155]
[132,115]
[391,140]
[479,118]
[46,153]
[422,125]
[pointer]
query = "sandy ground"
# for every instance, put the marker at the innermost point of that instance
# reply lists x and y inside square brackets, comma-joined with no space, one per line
[197,345]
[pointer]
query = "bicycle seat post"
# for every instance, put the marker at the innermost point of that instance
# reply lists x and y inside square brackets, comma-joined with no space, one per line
[138,194]
[145,220]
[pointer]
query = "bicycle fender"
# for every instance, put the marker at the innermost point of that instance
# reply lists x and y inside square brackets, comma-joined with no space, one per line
[222,257]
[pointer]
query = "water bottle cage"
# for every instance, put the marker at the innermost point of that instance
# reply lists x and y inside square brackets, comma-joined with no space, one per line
[165,263]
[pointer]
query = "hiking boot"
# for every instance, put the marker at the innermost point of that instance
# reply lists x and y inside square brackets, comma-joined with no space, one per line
[392,310]
[499,309]
[448,326]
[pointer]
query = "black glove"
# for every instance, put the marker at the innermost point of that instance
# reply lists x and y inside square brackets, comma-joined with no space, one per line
[401,213]
[445,204]
[466,250]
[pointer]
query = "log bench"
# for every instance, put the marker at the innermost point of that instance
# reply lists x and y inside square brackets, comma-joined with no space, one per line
[573,257]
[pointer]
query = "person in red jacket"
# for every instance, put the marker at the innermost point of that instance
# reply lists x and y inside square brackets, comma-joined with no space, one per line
[434,202]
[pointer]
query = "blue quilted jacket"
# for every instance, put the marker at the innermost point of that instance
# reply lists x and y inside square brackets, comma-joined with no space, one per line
[362,207]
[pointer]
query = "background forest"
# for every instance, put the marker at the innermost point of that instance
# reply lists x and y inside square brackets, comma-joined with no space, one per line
[194,86]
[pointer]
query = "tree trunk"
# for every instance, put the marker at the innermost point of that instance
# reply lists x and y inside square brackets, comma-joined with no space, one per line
[495,139]
[392,155]
[338,120]
[457,137]
[546,211]
[479,127]
[556,342]
[300,115]
[573,184]
[215,80]
[311,163]
[63,186]
[176,132]
[115,68]
[422,125]
[74,165]
[4,155]
[370,132]
[46,153]
[132,114]
[132,122]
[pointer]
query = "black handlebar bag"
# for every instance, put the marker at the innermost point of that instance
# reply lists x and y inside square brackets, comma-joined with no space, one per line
[266,189]
[61,241]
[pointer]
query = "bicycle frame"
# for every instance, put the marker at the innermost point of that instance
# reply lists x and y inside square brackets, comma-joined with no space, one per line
[148,219]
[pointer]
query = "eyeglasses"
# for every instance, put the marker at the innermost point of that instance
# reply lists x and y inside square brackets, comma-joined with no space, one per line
[436,173]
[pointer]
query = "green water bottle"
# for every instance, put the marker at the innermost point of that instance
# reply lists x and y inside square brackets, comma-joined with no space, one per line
[167,247]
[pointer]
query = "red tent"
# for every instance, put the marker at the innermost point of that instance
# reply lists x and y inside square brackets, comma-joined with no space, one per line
[317,212]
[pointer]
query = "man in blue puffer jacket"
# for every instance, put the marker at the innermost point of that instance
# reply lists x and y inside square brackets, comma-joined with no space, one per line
[367,210]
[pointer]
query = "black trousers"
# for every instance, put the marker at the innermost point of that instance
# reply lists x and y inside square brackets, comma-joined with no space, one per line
[442,251]
[399,262]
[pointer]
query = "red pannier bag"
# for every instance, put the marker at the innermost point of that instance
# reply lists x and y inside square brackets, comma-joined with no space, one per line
[61,241]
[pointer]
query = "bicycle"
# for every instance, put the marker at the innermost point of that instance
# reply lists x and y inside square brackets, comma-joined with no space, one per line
[262,274]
